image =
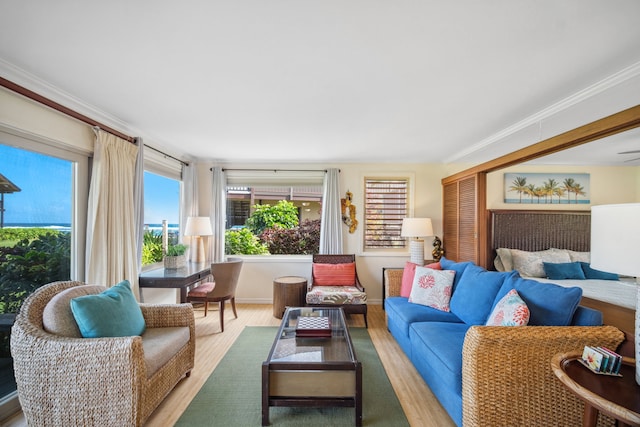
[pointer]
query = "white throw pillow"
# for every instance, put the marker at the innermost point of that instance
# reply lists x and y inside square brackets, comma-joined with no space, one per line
[432,288]
[505,260]
[511,310]
[579,256]
[529,264]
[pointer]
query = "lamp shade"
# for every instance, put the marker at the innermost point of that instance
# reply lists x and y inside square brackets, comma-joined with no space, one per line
[615,238]
[416,227]
[198,226]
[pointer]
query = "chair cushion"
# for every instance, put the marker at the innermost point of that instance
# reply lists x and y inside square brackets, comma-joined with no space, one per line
[57,317]
[336,295]
[111,313]
[343,274]
[161,344]
[202,290]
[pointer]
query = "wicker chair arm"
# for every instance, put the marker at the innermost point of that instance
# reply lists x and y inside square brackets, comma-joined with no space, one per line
[167,315]
[52,373]
[507,377]
[393,281]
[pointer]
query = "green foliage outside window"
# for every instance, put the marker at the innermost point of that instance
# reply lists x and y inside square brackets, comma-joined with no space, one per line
[284,215]
[151,248]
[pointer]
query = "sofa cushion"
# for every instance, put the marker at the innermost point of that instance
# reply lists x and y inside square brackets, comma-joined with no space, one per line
[563,270]
[458,267]
[403,313]
[161,344]
[511,310]
[475,294]
[432,288]
[549,304]
[343,274]
[57,317]
[437,346]
[111,313]
[592,273]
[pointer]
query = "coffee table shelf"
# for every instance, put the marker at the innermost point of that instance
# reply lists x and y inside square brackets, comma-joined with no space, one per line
[310,371]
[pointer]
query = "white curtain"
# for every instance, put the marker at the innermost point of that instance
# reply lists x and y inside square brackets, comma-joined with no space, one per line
[138,201]
[218,214]
[111,232]
[331,223]
[189,194]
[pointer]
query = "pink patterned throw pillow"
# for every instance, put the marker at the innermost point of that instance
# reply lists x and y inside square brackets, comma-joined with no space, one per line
[432,288]
[511,310]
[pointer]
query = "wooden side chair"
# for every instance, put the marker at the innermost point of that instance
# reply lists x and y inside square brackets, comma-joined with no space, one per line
[335,283]
[221,288]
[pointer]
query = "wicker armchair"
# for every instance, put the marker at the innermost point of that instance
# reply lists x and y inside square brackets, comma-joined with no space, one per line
[66,381]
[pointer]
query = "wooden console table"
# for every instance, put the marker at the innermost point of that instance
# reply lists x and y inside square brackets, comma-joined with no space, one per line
[181,278]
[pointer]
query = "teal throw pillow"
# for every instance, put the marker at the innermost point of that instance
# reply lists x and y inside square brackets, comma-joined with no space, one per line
[563,270]
[112,313]
[592,273]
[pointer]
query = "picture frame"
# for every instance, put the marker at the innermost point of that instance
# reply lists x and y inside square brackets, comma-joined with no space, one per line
[547,188]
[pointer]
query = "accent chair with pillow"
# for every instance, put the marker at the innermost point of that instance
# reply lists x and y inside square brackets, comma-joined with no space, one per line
[334,283]
[90,355]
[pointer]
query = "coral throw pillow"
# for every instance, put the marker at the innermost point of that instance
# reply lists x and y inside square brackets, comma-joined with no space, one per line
[511,310]
[334,274]
[432,288]
[408,275]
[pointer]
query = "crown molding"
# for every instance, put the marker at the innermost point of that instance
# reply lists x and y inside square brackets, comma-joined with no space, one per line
[603,85]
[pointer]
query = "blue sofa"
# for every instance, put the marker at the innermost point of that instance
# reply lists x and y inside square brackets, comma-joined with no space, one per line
[461,360]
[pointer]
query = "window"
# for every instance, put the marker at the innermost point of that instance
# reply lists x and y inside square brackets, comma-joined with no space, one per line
[161,206]
[290,224]
[43,199]
[386,203]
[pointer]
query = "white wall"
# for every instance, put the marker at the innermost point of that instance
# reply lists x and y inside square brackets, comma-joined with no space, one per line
[258,272]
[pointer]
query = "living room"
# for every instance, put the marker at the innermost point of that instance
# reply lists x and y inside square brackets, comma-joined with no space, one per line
[563,83]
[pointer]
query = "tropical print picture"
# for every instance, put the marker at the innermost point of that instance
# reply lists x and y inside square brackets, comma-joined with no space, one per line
[547,188]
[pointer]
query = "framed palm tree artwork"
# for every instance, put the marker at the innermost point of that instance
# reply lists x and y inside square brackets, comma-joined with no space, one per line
[547,188]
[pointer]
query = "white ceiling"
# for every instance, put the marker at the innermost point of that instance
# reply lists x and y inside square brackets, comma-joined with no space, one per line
[329,81]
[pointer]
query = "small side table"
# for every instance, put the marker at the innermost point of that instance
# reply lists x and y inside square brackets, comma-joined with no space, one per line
[616,397]
[288,291]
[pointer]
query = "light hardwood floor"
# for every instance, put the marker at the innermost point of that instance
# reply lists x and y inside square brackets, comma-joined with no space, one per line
[419,404]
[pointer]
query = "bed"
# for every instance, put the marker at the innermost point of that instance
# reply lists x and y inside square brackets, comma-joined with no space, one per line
[558,237]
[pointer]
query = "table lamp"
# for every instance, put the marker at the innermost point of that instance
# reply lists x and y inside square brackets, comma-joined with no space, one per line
[615,248]
[416,228]
[198,226]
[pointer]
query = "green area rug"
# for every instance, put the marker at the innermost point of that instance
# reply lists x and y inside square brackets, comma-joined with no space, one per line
[231,396]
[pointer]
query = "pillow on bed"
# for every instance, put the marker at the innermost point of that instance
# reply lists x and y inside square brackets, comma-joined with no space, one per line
[563,270]
[592,273]
[503,260]
[579,256]
[530,263]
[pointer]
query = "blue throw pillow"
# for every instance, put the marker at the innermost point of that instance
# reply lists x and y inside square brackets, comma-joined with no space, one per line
[112,313]
[549,304]
[563,270]
[592,273]
[475,294]
[458,267]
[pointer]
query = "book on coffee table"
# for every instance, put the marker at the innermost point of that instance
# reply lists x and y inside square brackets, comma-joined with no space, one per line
[313,327]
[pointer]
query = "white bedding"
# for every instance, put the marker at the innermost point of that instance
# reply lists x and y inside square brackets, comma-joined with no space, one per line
[622,292]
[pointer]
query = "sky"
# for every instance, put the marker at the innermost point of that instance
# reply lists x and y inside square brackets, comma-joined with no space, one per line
[46,198]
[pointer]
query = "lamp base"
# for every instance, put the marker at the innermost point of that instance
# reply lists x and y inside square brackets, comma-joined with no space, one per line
[416,250]
[198,254]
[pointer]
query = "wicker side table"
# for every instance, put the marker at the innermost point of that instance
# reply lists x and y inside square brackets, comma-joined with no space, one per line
[288,291]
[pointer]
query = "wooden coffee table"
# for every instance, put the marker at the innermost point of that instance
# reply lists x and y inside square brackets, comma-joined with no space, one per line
[312,372]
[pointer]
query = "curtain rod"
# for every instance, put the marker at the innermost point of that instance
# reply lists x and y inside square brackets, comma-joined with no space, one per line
[21,90]
[273,170]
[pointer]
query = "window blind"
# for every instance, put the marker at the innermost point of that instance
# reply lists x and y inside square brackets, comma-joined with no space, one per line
[386,204]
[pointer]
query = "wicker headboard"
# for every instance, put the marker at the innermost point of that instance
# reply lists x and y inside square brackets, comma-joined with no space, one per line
[529,230]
